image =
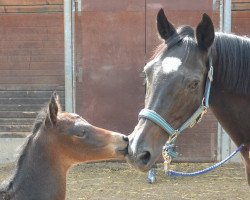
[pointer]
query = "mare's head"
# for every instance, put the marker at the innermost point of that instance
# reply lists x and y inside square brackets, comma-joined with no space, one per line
[175,81]
[72,139]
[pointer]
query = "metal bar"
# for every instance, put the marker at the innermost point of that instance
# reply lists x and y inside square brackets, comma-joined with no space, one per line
[225,144]
[74,6]
[79,6]
[221,15]
[227,15]
[227,18]
[68,59]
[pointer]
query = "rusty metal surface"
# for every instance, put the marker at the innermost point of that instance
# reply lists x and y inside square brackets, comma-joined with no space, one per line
[180,5]
[112,55]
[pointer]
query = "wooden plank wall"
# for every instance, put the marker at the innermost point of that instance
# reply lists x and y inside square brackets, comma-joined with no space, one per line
[31,6]
[240,5]
[31,60]
[241,17]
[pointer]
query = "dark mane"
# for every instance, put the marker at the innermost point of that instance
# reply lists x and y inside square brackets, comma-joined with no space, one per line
[8,184]
[233,69]
[39,121]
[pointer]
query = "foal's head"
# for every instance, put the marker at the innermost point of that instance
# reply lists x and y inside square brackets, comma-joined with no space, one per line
[175,81]
[72,139]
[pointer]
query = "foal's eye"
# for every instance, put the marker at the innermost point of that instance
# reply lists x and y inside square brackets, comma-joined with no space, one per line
[81,134]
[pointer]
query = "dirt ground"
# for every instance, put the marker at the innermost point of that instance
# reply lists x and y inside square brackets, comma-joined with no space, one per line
[118,181]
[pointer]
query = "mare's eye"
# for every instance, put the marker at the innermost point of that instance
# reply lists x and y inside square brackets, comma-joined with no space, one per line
[193,85]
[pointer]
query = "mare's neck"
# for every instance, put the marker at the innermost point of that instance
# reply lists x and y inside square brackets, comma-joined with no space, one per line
[233,113]
[231,108]
[39,175]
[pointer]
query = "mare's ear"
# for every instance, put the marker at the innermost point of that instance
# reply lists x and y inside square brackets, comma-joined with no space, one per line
[165,28]
[53,108]
[205,33]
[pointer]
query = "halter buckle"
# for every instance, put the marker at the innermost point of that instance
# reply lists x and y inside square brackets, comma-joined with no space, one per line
[201,115]
[173,137]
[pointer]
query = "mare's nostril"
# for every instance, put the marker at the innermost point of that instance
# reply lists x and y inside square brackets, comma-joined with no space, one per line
[125,138]
[144,157]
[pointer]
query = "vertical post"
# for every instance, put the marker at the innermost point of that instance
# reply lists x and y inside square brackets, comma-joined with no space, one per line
[226,141]
[68,56]
[225,144]
[74,4]
[221,15]
[227,15]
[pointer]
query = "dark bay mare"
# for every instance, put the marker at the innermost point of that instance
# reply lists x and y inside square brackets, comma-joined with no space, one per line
[59,140]
[175,85]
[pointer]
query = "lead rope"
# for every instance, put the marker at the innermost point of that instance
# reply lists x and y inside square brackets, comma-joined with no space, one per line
[185,174]
[152,172]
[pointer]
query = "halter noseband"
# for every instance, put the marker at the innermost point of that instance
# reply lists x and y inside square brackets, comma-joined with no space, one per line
[197,115]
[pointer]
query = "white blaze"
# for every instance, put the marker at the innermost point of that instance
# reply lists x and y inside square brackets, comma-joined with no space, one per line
[170,64]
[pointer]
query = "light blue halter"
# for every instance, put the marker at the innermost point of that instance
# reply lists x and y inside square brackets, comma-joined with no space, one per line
[195,118]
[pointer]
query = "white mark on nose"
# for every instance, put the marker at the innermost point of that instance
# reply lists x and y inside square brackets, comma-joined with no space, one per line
[134,145]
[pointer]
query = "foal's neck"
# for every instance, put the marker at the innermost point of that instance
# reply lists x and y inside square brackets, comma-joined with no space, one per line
[39,174]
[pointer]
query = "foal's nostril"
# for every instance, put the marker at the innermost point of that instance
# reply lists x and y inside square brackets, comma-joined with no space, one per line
[125,138]
[144,157]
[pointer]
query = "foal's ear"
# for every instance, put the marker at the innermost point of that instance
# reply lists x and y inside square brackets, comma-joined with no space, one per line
[205,33]
[53,108]
[165,28]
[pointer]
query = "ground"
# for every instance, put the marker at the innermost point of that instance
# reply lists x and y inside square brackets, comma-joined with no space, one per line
[118,181]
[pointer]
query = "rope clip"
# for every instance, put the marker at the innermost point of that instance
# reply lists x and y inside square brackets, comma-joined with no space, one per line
[167,161]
